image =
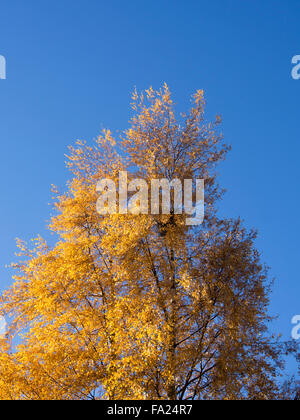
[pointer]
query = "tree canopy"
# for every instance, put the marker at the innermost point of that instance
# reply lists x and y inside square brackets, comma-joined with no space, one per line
[128,306]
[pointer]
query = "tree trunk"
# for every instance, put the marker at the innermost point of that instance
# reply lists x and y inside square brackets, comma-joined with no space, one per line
[172,335]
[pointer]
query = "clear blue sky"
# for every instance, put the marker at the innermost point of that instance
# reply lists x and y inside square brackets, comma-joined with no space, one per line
[71,66]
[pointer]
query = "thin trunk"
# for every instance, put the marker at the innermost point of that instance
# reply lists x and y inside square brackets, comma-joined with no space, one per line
[172,335]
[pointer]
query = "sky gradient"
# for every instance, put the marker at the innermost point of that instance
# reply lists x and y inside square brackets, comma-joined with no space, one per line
[72,65]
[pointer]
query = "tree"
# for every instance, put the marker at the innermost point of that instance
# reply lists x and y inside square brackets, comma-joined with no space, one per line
[141,306]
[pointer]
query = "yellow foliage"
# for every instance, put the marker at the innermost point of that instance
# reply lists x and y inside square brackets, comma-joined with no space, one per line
[136,307]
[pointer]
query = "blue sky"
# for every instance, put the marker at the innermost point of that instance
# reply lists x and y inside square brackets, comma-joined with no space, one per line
[71,66]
